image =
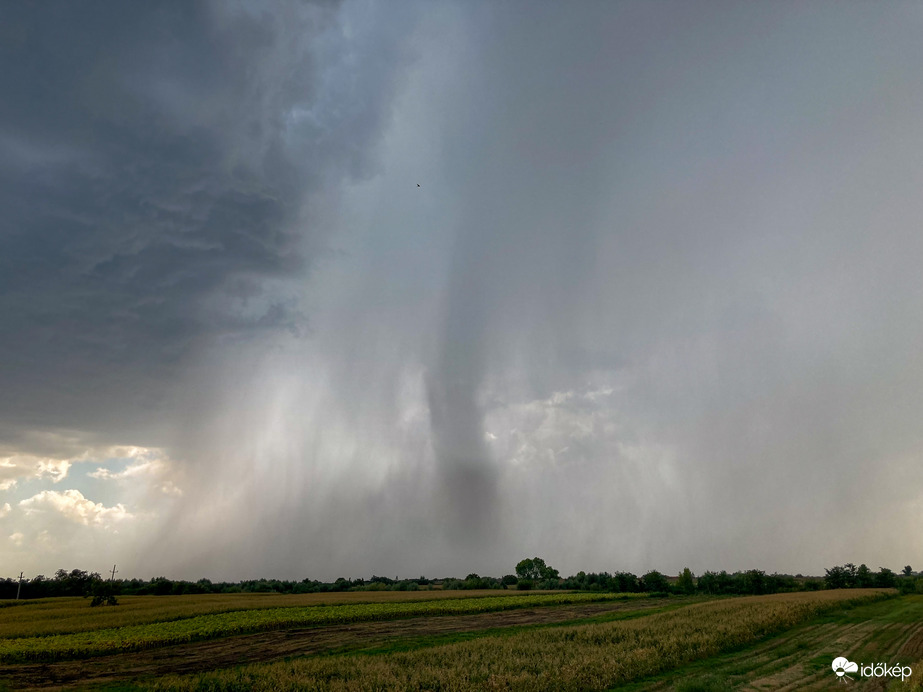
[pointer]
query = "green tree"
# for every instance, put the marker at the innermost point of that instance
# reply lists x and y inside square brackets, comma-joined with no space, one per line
[549,573]
[885,578]
[708,582]
[626,582]
[838,577]
[754,581]
[525,569]
[535,569]
[907,571]
[864,577]
[655,581]
[686,582]
[77,582]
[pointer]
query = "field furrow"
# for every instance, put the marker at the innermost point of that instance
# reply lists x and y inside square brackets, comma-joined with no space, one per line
[586,657]
[268,646]
[203,627]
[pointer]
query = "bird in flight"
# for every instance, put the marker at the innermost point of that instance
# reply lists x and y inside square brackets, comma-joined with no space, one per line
[418,184]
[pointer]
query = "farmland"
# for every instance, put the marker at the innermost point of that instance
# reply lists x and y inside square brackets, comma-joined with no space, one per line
[65,615]
[595,656]
[799,659]
[128,637]
[514,641]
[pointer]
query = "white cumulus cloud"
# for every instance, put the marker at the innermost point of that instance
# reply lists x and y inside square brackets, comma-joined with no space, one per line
[14,468]
[72,505]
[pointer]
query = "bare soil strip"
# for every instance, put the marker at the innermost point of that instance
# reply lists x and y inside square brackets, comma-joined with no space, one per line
[268,646]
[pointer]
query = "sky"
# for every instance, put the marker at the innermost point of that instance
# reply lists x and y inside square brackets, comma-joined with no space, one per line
[310,290]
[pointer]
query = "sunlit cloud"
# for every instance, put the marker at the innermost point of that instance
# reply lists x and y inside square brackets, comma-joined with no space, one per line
[24,466]
[72,505]
[150,466]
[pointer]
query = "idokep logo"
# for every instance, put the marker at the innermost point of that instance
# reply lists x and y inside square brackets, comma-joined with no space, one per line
[843,666]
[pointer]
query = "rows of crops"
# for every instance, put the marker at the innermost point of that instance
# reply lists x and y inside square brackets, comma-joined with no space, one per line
[587,657]
[151,635]
[800,658]
[915,682]
[67,615]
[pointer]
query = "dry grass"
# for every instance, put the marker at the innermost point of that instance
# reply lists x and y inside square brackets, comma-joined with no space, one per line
[588,657]
[914,683]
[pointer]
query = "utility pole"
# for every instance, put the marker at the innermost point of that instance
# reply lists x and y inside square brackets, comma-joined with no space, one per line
[19,588]
[112,576]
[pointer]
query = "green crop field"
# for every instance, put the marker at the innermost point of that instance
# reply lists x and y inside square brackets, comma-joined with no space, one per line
[562,641]
[82,640]
[889,631]
[29,618]
[584,657]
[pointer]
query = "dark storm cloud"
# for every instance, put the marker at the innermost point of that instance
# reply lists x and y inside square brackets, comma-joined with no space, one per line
[619,324]
[680,201]
[655,303]
[156,161]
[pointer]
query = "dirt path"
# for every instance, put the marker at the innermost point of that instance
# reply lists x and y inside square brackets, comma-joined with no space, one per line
[268,646]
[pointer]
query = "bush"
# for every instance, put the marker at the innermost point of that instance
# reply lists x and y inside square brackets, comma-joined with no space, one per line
[103,594]
[524,584]
[406,585]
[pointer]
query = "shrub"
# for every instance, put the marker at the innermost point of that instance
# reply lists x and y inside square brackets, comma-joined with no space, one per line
[654,581]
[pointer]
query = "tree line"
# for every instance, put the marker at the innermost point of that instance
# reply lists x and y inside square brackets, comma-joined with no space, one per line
[530,573]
